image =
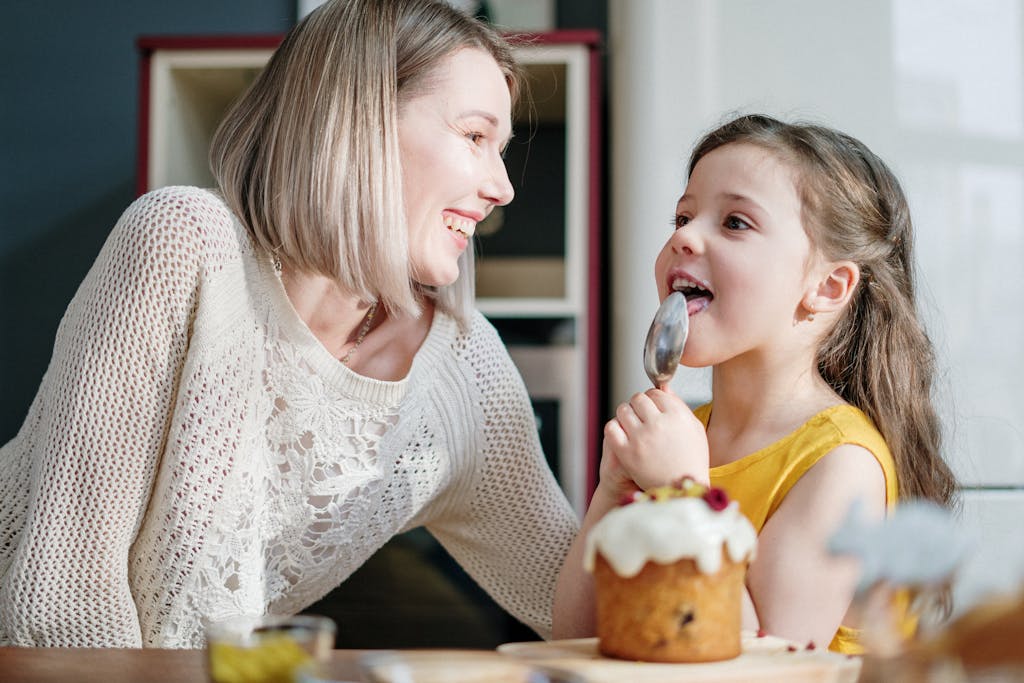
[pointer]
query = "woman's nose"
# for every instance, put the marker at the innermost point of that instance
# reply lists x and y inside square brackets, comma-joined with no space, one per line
[498,188]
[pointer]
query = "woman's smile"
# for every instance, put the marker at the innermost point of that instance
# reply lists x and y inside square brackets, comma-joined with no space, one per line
[453,174]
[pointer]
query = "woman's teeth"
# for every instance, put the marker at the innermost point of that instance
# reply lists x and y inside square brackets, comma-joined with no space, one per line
[460,225]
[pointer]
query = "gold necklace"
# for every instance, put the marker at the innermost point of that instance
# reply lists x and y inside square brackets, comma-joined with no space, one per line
[362,332]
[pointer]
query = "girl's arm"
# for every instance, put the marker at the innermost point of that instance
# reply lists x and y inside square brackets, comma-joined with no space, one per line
[799,590]
[573,613]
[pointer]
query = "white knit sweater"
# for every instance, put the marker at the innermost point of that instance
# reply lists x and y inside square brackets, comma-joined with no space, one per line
[194,452]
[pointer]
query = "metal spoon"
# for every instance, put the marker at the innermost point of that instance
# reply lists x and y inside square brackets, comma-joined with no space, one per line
[666,339]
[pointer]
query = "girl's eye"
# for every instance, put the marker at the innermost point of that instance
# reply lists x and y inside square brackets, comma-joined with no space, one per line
[679,221]
[736,223]
[475,138]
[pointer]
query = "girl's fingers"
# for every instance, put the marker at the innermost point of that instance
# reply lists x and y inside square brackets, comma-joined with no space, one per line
[614,434]
[627,417]
[664,401]
[644,407]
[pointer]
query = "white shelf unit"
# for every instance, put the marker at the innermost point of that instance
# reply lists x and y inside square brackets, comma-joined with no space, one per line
[190,91]
[188,82]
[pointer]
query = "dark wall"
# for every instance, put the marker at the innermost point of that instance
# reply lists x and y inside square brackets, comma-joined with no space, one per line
[69,74]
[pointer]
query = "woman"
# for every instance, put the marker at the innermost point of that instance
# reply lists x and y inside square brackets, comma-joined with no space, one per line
[254,389]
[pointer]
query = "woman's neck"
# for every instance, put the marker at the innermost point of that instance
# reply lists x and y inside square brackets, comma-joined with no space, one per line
[387,347]
[332,315]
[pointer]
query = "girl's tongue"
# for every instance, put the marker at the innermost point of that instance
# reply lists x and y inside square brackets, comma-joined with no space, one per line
[696,304]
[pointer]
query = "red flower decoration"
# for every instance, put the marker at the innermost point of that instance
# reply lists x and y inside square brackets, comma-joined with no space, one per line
[716,498]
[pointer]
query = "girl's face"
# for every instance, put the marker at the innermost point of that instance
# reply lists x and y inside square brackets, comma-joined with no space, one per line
[451,141]
[740,253]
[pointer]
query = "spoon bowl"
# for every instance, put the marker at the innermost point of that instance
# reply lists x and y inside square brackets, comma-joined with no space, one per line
[666,339]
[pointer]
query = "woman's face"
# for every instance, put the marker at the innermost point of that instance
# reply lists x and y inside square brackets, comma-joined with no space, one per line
[451,141]
[740,250]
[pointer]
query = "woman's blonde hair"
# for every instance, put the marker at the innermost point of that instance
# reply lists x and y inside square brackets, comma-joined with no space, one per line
[878,356]
[308,158]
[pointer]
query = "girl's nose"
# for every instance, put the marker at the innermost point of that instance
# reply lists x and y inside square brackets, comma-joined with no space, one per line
[687,240]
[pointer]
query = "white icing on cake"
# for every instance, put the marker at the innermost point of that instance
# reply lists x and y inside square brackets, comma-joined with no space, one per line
[669,530]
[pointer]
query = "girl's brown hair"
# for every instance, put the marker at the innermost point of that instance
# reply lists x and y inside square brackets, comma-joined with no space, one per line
[308,158]
[877,356]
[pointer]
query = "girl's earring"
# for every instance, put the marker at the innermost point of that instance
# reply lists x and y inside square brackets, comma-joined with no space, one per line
[810,316]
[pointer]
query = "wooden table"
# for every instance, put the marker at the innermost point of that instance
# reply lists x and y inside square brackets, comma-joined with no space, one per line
[762,661]
[65,665]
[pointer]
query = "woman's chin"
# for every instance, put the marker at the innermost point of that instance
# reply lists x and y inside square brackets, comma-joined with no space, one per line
[438,279]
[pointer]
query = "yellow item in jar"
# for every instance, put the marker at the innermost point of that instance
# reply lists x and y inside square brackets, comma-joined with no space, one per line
[274,659]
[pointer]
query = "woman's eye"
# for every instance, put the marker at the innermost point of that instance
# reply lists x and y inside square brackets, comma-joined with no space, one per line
[736,223]
[679,221]
[475,138]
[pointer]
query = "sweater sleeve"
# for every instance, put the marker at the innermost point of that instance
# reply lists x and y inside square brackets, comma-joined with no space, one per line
[79,473]
[511,527]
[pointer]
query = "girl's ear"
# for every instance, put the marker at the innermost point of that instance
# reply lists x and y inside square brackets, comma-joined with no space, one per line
[835,289]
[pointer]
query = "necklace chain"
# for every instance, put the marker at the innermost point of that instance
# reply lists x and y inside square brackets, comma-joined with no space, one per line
[362,332]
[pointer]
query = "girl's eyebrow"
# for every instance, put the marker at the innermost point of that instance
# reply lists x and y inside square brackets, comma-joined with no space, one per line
[732,196]
[727,196]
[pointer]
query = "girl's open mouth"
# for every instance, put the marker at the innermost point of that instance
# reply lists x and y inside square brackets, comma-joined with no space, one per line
[698,297]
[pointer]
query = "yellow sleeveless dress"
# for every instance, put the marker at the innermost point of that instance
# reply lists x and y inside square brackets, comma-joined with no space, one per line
[761,480]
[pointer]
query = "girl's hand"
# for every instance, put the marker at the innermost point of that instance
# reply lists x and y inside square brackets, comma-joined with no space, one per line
[614,481]
[653,440]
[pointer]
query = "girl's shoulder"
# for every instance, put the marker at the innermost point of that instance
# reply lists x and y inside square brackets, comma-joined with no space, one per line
[857,431]
[850,425]
[832,426]
[838,426]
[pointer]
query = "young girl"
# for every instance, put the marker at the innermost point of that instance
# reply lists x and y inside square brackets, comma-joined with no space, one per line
[792,244]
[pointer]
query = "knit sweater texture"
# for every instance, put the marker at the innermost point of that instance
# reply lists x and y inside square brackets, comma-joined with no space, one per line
[193,452]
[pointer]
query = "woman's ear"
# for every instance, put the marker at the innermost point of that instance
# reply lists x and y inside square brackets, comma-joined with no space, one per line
[834,290]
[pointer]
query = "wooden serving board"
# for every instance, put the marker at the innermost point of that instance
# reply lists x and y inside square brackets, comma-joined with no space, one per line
[763,660]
